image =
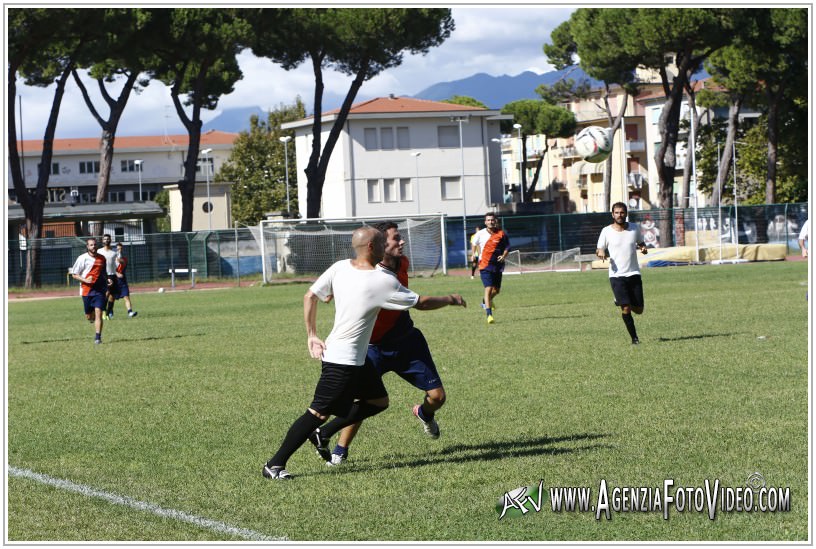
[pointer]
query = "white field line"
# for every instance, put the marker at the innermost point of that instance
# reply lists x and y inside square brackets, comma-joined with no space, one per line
[208,524]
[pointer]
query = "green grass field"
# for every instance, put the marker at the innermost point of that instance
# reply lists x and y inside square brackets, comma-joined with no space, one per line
[182,405]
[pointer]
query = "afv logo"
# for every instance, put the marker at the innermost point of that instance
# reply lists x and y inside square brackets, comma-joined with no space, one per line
[520,501]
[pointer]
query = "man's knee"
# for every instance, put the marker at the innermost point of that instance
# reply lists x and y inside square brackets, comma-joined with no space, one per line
[637,310]
[436,397]
[319,416]
[381,402]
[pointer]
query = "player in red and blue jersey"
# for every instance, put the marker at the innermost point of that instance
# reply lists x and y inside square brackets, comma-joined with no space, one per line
[494,245]
[89,270]
[396,345]
[122,290]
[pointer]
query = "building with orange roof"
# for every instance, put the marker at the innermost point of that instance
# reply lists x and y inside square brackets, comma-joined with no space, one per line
[398,156]
[141,164]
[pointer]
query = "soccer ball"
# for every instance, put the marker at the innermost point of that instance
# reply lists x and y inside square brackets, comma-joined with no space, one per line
[593,143]
[161,290]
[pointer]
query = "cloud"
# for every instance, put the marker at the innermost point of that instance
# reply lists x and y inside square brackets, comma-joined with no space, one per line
[496,41]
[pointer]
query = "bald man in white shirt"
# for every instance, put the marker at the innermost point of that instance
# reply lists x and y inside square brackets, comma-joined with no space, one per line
[349,386]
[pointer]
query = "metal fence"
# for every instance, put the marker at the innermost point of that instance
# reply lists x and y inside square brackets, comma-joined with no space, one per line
[233,253]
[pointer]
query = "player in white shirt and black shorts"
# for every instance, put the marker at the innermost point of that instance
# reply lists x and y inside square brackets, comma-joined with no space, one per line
[349,386]
[619,242]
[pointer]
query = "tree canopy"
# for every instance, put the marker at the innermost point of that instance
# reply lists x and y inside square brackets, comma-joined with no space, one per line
[359,42]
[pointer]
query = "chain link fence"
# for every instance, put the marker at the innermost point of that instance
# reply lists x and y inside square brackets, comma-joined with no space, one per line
[234,253]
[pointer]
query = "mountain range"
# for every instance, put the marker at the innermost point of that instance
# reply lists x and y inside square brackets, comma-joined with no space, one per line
[493,91]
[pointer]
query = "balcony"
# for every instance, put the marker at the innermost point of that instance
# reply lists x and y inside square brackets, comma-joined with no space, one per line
[635,181]
[567,152]
[635,146]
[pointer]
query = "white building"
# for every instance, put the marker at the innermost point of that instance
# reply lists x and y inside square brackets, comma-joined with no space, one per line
[398,156]
[141,164]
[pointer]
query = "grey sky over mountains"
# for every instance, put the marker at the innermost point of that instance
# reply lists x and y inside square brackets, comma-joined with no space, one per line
[493,40]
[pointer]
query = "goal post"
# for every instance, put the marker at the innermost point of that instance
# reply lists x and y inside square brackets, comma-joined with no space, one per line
[310,246]
[518,262]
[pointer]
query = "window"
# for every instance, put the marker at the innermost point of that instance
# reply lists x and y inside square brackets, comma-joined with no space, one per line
[203,162]
[448,136]
[374,190]
[116,196]
[386,139]
[451,188]
[370,137]
[146,195]
[54,168]
[403,138]
[406,190]
[129,166]
[89,167]
[390,190]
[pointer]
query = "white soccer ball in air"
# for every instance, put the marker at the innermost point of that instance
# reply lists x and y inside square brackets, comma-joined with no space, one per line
[161,290]
[593,144]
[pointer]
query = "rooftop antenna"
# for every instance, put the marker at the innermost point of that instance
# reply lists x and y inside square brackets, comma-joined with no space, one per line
[166,117]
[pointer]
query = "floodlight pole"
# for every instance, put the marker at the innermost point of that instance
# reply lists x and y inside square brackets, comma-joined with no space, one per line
[206,153]
[139,166]
[521,160]
[285,140]
[416,156]
[461,119]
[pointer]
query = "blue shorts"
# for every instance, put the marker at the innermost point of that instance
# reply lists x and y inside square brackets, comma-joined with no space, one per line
[94,300]
[491,278]
[409,358]
[122,289]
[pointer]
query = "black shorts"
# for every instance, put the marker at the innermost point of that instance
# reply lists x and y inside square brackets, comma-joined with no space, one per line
[340,385]
[628,290]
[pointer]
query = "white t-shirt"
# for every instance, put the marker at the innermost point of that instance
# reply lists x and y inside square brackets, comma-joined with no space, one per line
[622,247]
[358,297]
[804,234]
[110,260]
[480,239]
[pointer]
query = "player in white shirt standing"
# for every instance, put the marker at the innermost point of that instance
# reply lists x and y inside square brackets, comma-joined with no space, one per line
[804,238]
[619,242]
[110,267]
[349,386]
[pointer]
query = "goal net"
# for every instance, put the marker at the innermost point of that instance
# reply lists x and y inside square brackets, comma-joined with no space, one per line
[310,246]
[518,262]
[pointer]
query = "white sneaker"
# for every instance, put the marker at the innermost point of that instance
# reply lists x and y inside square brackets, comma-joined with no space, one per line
[336,459]
[431,427]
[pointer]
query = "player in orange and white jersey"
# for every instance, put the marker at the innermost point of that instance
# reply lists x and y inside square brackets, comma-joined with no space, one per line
[89,270]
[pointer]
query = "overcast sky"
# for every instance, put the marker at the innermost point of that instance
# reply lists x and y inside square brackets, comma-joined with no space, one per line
[492,40]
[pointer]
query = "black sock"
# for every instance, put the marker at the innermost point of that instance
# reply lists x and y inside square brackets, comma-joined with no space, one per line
[294,439]
[630,325]
[359,411]
[424,411]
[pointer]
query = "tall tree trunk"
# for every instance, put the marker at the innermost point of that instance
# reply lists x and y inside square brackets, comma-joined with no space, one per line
[109,126]
[725,160]
[34,204]
[314,187]
[774,100]
[691,149]
[319,160]
[193,125]
[614,125]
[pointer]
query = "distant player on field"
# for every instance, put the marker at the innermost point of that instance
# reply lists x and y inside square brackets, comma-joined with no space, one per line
[395,346]
[494,246]
[89,270]
[804,238]
[474,253]
[122,289]
[619,242]
[110,268]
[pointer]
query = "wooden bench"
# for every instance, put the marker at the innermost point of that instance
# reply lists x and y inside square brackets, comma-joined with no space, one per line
[583,258]
[173,273]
